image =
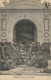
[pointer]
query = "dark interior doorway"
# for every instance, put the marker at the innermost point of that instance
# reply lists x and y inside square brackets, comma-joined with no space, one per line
[24,31]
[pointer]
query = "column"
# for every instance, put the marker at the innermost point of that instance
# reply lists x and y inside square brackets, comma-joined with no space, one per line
[4,27]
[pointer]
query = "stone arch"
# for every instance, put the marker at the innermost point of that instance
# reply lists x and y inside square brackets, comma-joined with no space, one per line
[24,16]
[25,30]
[32,18]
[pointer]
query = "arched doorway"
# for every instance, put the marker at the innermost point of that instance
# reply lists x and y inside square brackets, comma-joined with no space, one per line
[25,31]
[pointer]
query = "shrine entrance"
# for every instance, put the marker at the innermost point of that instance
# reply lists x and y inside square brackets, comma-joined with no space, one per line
[25,31]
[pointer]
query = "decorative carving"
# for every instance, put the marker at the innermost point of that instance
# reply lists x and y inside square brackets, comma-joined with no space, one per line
[46,35]
[46,24]
[4,15]
[46,15]
[3,34]
[3,24]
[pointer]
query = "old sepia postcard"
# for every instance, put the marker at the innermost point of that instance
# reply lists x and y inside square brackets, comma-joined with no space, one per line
[25,39]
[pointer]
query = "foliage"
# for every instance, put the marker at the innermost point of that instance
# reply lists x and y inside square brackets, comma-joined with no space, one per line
[37,55]
[7,65]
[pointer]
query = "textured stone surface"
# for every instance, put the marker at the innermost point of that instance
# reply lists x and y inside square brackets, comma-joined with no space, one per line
[14,12]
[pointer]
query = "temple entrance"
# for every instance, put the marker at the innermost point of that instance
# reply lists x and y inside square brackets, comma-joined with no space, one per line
[25,31]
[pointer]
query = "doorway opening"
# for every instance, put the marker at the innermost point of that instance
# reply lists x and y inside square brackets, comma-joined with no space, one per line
[25,31]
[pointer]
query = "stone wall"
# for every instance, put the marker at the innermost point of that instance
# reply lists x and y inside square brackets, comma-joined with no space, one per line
[10,18]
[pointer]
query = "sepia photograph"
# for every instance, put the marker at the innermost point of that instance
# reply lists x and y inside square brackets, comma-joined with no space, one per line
[25,37]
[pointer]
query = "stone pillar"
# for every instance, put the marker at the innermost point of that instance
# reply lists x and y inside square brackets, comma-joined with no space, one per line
[50,49]
[4,27]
